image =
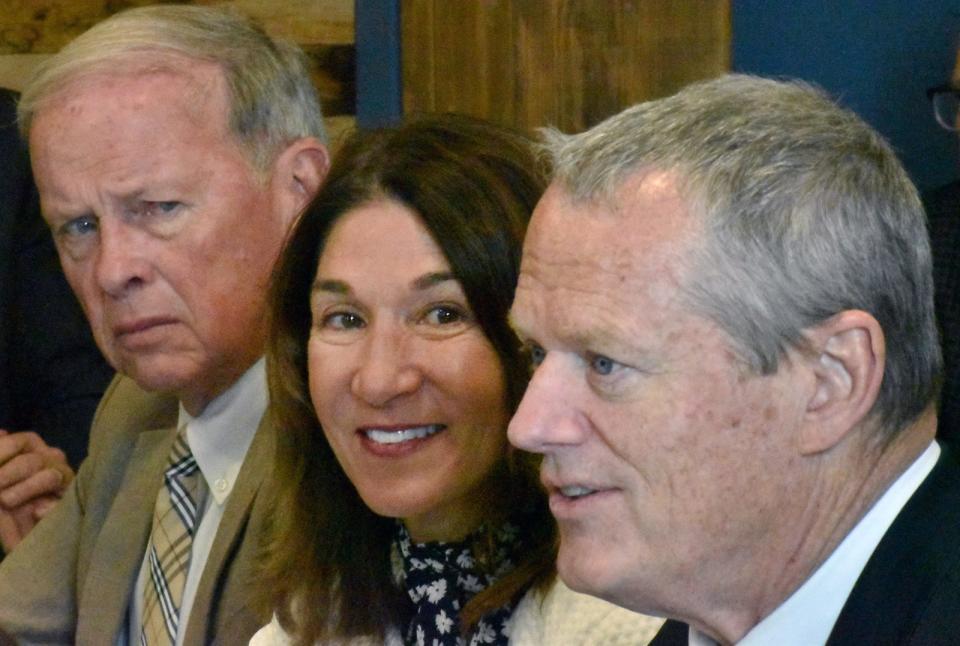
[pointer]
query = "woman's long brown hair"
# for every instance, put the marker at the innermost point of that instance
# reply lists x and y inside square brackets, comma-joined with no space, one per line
[474,185]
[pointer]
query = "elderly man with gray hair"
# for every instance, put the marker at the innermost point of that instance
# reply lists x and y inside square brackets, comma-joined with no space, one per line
[727,298]
[172,146]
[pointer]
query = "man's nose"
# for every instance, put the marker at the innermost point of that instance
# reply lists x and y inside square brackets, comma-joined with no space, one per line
[388,368]
[549,413]
[120,262]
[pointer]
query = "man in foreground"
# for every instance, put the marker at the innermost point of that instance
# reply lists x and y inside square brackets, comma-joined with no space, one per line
[728,301]
[172,148]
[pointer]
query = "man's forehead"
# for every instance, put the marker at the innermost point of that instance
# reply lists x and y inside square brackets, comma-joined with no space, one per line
[643,223]
[194,86]
[603,258]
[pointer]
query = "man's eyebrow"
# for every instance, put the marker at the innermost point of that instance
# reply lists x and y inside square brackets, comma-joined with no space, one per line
[433,278]
[517,330]
[332,286]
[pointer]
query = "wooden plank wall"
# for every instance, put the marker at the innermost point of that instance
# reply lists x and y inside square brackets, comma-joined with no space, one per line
[33,29]
[568,63]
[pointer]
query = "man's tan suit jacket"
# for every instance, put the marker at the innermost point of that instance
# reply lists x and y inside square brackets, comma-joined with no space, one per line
[71,580]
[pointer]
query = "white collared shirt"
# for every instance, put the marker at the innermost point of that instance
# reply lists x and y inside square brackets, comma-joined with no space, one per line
[807,617]
[219,438]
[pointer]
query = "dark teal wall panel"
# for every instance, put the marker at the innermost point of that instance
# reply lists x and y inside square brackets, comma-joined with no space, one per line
[876,56]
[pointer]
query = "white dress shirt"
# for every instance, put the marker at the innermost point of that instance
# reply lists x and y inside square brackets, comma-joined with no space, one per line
[219,438]
[808,615]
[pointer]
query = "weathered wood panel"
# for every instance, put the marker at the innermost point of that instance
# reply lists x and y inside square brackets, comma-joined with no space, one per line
[44,26]
[30,29]
[564,62]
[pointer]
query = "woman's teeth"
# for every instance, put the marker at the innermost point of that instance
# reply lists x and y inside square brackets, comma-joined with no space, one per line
[407,434]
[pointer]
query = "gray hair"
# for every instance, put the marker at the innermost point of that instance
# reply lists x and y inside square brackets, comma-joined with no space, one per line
[807,212]
[272,99]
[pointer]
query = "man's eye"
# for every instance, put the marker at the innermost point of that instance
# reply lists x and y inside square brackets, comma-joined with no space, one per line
[537,355]
[343,321]
[160,208]
[602,365]
[77,227]
[443,315]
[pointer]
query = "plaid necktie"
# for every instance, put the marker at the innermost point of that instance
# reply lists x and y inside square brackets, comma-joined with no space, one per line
[171,540]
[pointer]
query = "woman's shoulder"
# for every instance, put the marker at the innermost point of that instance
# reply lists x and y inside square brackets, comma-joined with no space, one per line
[273,634]
[563,617]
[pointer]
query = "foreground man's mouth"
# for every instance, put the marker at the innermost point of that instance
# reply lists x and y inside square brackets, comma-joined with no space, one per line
[576,491]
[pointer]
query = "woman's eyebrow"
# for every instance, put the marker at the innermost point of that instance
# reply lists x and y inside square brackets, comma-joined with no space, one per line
[433,278]
[328,285]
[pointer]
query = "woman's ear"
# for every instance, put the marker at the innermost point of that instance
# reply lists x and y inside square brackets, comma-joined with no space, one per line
[847,362]
[298,173]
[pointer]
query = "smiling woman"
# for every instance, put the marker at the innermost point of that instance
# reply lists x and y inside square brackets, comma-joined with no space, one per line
[393,374]
[408,389]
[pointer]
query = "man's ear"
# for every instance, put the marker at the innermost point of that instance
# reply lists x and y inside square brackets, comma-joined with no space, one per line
[298,173]
[847,359]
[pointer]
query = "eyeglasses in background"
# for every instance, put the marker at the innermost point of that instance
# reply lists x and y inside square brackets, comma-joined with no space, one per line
[946,105]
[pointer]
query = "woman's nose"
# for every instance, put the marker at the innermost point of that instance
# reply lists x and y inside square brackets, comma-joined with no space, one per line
[388,367]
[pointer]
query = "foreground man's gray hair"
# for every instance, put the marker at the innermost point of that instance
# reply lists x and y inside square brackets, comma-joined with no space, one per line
[807,210]
[272,99]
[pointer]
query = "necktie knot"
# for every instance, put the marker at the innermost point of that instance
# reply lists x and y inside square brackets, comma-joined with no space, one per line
[183,483]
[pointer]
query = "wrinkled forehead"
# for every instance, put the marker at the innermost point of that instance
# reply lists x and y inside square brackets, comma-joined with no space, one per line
[198,86]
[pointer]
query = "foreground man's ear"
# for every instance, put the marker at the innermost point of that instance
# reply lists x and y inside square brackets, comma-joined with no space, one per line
[849,354]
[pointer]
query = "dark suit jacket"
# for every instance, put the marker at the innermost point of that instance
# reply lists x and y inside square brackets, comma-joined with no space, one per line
[943,222]
[909,591]
[71,579]
[51,373]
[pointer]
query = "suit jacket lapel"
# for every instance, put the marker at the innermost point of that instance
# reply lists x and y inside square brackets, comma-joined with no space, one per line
[120,547]
[908,566]
[215,589]
[672,633]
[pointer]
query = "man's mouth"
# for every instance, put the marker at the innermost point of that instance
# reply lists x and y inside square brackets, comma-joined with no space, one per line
[576,491]
[140,325]
[399,435]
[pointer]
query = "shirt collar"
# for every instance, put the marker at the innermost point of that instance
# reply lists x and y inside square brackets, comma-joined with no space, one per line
[808,615]
[220,436]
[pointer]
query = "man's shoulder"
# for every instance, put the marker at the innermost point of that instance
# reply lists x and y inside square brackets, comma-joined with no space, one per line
[561,615]
[127,406]
[926,532]
[914,573]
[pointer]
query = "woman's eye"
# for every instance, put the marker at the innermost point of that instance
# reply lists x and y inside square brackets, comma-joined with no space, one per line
[342,321]
[443,315]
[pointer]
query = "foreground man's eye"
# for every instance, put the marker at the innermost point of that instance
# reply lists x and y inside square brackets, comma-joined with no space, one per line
[602,365]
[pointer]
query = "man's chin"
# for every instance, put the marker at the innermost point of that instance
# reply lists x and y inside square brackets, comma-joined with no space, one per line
[578,568]
[589,569]
[158,378]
